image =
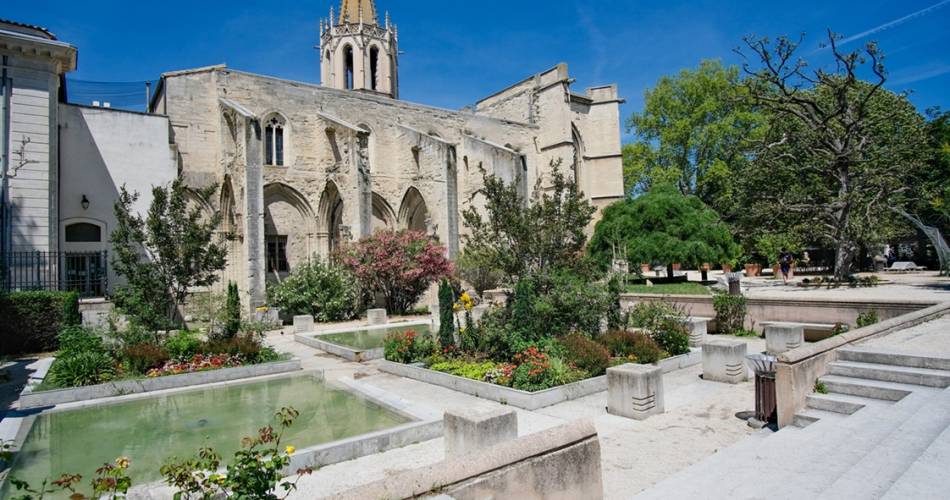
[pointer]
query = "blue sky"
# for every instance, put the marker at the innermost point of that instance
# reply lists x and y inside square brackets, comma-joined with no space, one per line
[458,51]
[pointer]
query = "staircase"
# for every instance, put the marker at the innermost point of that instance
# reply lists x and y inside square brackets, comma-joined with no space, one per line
[881,431]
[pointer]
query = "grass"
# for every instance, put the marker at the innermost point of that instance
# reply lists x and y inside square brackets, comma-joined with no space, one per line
[671,289]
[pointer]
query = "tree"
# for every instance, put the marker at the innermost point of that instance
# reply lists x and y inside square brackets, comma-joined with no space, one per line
[164,254]
[399,265]
[696,128]
[665,226]
[325,290]
[519,237]
[232,322]
[446,314]
[838,151]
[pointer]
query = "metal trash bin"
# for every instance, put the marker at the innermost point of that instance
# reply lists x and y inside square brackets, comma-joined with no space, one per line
[735,283]
[765,404]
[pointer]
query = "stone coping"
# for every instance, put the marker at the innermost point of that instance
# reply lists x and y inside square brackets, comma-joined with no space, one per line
[427,481]
[524,399]
[811,301]
[312,339]
[30,399]
[883,328]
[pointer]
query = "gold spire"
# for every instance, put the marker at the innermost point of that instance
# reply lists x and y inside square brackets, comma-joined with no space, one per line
[351,11]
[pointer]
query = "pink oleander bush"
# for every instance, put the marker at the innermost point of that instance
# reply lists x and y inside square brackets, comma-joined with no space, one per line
[401,265]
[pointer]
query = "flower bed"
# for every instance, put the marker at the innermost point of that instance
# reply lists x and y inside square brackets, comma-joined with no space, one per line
[197,363]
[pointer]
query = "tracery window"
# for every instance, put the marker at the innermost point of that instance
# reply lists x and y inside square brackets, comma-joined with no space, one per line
[274,141]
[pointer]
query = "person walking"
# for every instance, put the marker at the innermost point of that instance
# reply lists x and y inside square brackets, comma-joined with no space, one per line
[785,263]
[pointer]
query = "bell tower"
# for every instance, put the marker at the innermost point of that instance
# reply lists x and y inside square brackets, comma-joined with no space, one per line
[356,53]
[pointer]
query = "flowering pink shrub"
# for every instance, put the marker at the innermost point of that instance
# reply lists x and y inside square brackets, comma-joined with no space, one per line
[400,265]
[197,363]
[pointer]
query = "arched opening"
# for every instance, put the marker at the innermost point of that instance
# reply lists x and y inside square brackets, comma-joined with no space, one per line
[384,218]
[83,232]
[287,229]
[331,219]
[274,140]
[374,68]
[413,214]
[348,70]
[578,154]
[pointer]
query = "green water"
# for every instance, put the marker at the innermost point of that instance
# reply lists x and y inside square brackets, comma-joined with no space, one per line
[363,340]
[150,430]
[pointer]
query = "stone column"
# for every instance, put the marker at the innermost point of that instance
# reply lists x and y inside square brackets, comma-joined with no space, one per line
[781,337]
[635,391]
[724,361]
[254,218]
[467,430]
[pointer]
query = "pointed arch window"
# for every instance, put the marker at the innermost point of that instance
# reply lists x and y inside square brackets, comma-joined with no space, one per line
[374,67]
[274,141]
[348,72]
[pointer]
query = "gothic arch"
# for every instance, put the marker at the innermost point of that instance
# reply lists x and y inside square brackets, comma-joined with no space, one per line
[348,66]
[330,220]
[384,218]
[277,135]
[288,229]
[413,212]
[578,160]
[228,220]
[194,199]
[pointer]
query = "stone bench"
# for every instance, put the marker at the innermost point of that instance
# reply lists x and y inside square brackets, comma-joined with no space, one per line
[814,332]
[635,391]
[724,361]
[303,324]
[781,337]
[376,317]
[698,328]
[467,431]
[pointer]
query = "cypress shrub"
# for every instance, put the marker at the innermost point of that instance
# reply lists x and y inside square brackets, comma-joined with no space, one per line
[446,314]
[232,323]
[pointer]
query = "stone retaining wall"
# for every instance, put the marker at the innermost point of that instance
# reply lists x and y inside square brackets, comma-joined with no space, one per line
[32,399]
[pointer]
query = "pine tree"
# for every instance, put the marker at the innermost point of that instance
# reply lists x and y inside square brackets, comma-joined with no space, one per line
[446,314]
[232,323]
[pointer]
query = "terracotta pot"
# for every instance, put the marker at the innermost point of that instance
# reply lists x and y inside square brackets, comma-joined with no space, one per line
[727,268]
[705,267]
[677,266]
[645,268]
[752,270]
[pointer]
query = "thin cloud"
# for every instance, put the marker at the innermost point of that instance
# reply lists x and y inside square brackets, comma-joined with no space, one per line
[598,42]
[895,22]
[922,74]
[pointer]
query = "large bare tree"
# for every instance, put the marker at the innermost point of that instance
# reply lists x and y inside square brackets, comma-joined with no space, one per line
[840,148]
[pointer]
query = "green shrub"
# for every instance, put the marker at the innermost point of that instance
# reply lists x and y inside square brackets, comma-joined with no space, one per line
[446,314]
[868,318]
[74,339]
[247,346]
[477,270]
[327,292]
[665,323]
[140,358]
[638,346]
[730,312]
[537,371]
[31,321]
[586,354]
[183,344]
[461,368]
[232,311]
[81,368]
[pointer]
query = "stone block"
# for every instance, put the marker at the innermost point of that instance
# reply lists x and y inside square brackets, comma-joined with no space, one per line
[724,361]
[467,431]
[698,328]
[376,317]
[478,312]
[781,337]
[635,391]
[303,324]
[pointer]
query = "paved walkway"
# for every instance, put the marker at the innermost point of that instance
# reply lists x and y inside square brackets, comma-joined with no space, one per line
[700,419]
[911,286]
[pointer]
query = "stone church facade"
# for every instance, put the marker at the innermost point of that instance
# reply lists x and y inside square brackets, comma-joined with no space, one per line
[305,167]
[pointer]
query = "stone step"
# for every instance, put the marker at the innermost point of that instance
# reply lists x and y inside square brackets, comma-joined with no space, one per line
[839,403]
[876,389]
[918,481]
[809,416]
[867,355]
[891,373]
[874,474]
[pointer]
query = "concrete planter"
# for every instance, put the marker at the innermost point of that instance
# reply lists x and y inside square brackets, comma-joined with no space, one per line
[31,399]
[524,399]
[350,353]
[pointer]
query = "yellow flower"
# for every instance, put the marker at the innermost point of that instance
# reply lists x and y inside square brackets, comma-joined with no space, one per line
[456,307]
[290,450]
[122,462]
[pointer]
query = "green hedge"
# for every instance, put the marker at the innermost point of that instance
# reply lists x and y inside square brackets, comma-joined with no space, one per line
[31,321]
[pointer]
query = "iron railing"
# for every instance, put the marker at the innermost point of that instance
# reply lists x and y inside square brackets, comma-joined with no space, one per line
[83,272]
